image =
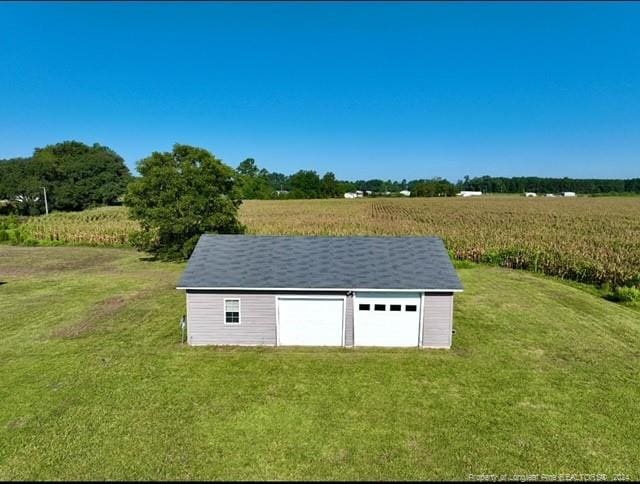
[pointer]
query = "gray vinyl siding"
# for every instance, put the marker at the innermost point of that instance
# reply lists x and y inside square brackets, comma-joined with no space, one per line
[437,320]
[205,319]
[348,321]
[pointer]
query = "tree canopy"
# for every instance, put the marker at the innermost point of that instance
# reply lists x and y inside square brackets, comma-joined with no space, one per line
[179,196]
[75,175]
[436,187]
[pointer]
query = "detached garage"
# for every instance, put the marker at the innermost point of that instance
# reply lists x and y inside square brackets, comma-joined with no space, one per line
[320,291]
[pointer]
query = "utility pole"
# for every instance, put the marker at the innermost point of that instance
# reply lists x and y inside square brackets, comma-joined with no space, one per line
[46,205]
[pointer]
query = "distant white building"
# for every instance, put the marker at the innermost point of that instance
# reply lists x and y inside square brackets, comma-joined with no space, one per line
[359,194]
[530,194]
[405,193]
[368,192]
[469,193]
[549,195]
[350,195]
[568,194]
[281,192]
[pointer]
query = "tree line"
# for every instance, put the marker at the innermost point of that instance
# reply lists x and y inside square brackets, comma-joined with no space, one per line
[489,184]
[256,183]
[77,176]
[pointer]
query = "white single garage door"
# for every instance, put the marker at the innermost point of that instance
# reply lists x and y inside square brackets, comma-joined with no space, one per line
[310,321]
[387,319]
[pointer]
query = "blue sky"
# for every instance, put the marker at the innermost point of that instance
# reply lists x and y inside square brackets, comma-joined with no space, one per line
[379,90]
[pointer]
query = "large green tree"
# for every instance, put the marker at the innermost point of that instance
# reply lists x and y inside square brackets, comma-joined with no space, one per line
[305,184]
[179,196]
[76,176]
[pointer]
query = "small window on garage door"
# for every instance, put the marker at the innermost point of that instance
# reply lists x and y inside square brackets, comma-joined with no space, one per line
[232,311]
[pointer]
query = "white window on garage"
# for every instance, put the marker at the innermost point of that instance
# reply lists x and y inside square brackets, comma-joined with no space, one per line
[232,311]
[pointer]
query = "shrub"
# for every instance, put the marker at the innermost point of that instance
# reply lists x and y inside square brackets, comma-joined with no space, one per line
[625,294]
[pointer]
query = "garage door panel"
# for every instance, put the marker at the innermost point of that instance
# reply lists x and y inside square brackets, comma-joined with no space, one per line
[310,322]
[387,319]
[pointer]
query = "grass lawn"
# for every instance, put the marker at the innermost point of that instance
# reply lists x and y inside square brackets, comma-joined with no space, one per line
[543,378]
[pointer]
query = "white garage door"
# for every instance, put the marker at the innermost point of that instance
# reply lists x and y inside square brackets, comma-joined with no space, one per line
[310,322]
[386,319]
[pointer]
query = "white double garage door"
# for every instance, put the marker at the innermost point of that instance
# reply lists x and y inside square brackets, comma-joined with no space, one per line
[380,319]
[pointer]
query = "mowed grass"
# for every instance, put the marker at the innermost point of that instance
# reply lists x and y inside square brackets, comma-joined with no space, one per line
[94,384]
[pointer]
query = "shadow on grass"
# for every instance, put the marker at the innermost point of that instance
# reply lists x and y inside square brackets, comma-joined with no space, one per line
[153,258]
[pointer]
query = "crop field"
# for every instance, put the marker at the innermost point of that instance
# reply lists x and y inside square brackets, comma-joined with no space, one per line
[595,240]
[106,226]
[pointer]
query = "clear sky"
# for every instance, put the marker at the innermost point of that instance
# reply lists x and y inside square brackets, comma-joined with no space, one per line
[379,90]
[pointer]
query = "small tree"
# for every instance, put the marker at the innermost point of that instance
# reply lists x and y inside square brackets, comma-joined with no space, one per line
[179,196]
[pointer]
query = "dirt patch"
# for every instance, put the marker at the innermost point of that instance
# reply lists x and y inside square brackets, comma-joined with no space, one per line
[17,423]
[19,262]
[100,311]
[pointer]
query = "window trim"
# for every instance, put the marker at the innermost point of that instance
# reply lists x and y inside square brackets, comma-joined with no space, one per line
[224,311]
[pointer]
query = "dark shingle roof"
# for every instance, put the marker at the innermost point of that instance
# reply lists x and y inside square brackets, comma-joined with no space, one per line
[261,262]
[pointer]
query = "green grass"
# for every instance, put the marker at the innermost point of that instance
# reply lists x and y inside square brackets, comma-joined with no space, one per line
[542,378]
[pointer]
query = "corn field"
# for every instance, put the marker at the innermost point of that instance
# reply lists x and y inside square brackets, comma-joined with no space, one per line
[102,226]
[595,240]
